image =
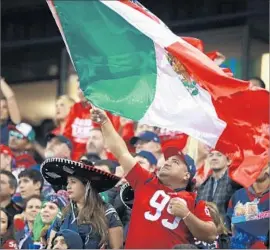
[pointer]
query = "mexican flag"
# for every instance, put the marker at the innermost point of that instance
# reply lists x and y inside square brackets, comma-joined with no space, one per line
[131,64]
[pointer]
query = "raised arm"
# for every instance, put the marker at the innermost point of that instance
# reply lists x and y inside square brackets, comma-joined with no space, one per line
[13,108]
[113,140]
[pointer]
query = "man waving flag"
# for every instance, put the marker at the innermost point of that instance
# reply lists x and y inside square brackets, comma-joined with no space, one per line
[132,65]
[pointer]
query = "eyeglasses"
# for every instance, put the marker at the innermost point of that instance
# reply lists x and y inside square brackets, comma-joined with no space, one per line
[16,134]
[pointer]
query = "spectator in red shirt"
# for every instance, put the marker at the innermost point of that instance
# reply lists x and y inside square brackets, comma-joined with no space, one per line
[162,206]
[62,108]
[79,125]
[6,157]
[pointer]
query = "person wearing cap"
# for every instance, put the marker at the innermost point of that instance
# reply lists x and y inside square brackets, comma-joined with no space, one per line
[6,157]
[58,146]
[147,141]
[165,211]
[67,239]
[90,157]
[9,110]
[96,222]
[147,160]
[21,138]
[218,187]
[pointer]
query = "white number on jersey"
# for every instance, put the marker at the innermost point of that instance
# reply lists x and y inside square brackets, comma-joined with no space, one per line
[159,206]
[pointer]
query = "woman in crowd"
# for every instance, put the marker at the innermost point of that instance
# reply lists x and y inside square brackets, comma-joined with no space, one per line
[6,237]
[96,222]
[223,240]
[51,209]
[24,223]
[62,107]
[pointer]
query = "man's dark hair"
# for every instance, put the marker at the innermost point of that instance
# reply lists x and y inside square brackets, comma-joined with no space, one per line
[261,82]
[92,157]
[11,179]
[191,186]
[33,175]
[110,164]
[25,202]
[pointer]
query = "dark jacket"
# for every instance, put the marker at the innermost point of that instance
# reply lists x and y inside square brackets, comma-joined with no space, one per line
[223,193]
[114,199]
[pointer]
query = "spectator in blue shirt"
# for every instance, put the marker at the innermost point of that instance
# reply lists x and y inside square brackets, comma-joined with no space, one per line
[248,214]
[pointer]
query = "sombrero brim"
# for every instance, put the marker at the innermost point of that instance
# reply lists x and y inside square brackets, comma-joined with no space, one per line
[127,195]
[57,170]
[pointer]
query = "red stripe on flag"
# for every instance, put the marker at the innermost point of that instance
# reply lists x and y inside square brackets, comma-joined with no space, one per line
[246,137]
[197,43]
[247,116]
[202,69]
[205,72]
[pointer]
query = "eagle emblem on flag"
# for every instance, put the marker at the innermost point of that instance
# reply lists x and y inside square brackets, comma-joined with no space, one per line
[186,79]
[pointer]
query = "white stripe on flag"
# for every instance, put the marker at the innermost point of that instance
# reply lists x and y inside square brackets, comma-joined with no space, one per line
[159,33]
[176,109]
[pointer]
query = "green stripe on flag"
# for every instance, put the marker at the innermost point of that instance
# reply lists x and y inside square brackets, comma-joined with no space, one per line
[116,63]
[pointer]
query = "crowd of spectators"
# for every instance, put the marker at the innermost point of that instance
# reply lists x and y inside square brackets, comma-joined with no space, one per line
[37,214]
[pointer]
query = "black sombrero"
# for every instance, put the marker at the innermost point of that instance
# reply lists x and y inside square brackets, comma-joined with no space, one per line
[56,171]
[127,195]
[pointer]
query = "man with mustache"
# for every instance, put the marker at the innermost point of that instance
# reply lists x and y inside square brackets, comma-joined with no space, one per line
[218,187]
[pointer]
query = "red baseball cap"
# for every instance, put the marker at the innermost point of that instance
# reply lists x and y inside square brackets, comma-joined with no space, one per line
[5,150]
[173,151]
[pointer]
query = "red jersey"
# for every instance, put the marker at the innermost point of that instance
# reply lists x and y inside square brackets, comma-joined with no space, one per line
[152,225]
[78,128]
